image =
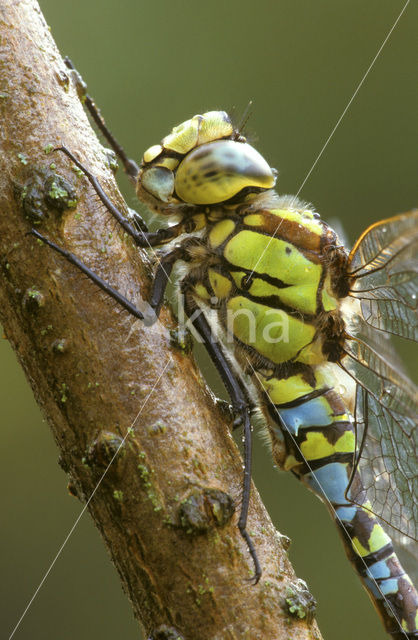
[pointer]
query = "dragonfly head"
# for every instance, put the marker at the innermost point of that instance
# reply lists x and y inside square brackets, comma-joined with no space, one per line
[203,161]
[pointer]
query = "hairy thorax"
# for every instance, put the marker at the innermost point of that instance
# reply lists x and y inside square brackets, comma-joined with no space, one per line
[273,273]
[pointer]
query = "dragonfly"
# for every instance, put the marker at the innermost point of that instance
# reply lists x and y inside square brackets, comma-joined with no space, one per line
[307,322]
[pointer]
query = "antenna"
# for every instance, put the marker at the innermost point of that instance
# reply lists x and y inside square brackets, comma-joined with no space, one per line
[245,117]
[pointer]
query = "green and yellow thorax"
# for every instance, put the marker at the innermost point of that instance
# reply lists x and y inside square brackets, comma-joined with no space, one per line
[275,281]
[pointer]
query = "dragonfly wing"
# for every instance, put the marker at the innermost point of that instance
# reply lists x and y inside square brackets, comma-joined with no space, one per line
[385,281]
[384,267]
[387,465]
[390,486]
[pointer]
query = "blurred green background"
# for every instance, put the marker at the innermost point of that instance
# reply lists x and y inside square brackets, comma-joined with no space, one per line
[151,65]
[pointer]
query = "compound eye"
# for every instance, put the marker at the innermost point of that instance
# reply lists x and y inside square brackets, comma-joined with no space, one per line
[217,171]
[158,181]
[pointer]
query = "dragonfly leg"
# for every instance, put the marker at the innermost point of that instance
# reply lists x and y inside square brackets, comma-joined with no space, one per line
[159,284]
[139,237]
[130,166]
[240,406]
[104,286]
[162,275]
[143,239]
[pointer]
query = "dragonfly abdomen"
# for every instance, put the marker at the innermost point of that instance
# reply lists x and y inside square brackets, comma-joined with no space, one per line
[320,444]
[371,552]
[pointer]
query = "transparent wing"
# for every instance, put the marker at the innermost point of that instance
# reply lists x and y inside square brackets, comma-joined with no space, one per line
[383,264]
[407,552]
[390,485]
[387,465]
[376,371]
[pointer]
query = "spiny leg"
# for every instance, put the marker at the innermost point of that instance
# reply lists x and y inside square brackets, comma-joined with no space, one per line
[140,238]
[144,239]
[162,275]
[130,166]
[104,286]
[159,283]
[240,406]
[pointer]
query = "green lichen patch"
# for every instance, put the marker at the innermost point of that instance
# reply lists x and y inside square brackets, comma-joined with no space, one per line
[111,159]
[44,191]
[299,602]
[31,198]
[60,346]
[23,158]
[59,193]
[92,385]
[77,170]
[64,393]
[205,509]
[146,474]
[33,300]
[46,330]
[206,588]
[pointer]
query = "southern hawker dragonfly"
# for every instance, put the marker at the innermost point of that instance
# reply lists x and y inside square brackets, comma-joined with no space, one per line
[307,325]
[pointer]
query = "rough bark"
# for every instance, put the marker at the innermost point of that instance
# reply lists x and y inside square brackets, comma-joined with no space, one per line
[163,506]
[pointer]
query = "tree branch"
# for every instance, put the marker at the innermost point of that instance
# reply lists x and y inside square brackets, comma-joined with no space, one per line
[164,506]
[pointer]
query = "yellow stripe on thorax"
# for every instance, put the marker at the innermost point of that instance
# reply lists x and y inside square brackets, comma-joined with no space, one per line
[201,291]
[276,258]
[272,332]
[220,284]
[329,302]
[219,233]
[300,297]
